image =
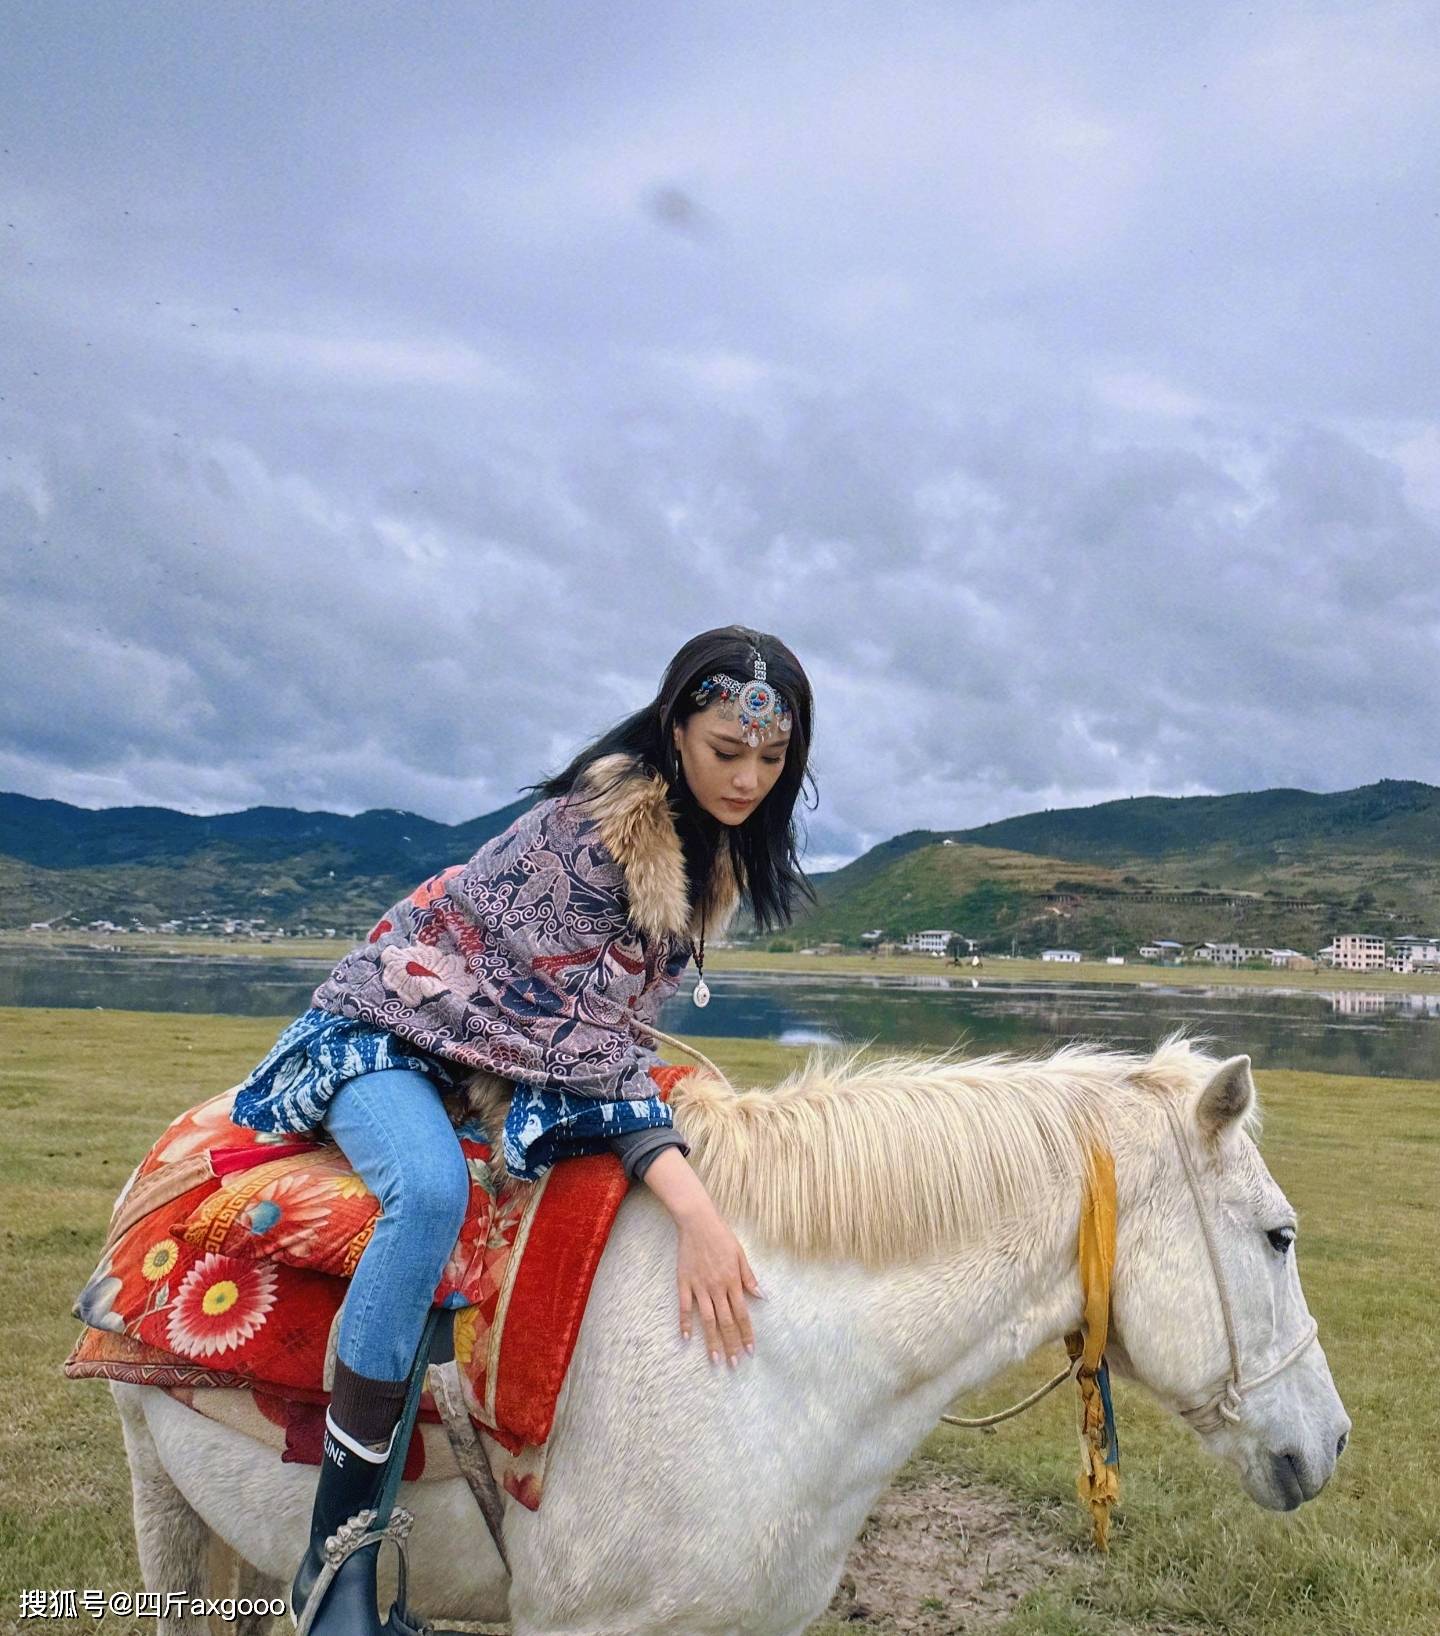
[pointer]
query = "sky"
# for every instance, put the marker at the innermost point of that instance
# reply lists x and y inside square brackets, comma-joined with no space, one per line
[388,391]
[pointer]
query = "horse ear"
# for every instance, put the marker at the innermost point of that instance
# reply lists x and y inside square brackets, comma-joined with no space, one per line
[1227,1098]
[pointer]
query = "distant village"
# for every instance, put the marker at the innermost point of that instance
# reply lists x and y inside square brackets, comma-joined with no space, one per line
[1348,951]
[252,929]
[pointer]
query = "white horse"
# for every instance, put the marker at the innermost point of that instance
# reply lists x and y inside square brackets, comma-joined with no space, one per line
[913,1225]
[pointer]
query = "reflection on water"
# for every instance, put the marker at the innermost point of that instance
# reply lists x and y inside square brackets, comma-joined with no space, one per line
[1354,1003]
[1279,1028]
[807,1036]
[1340,1031]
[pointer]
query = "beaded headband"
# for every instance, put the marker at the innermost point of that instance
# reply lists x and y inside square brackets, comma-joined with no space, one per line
[760,711]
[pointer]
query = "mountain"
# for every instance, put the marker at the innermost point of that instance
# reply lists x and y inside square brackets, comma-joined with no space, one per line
[1281,867]
[1273,866]
[148,864]
[54,835]
[1269,824]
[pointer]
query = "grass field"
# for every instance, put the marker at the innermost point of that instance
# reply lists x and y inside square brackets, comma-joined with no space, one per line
[85,1094]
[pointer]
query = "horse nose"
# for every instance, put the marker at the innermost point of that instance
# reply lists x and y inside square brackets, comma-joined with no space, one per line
[1344,1438]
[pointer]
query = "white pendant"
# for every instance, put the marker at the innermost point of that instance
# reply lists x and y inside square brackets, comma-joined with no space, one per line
[701,995]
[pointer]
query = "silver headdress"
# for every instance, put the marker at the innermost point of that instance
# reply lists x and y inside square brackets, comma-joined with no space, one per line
[760,711]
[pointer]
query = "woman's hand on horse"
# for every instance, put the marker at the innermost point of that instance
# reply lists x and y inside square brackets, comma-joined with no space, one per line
[714,1277]
[712,1271]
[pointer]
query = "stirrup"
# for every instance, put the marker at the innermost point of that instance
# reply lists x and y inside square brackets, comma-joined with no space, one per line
[348,1538]
[359,1529]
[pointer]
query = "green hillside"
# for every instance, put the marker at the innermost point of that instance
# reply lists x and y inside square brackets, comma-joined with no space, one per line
[1013,899]
[1270,825]
[144,865]
[1279,867]
[939,885]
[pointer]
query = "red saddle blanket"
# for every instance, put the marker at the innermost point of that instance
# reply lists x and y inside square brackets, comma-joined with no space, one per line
[227,1255]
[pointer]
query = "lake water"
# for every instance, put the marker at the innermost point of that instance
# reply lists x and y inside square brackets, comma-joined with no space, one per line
[1345,1031]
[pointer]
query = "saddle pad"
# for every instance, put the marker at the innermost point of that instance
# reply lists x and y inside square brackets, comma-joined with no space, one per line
[290,1425]
[227,1255]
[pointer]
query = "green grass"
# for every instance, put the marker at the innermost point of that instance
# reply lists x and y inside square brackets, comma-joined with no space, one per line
[84,1095]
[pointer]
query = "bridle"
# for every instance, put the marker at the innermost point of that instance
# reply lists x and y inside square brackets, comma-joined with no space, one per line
[1225,1403]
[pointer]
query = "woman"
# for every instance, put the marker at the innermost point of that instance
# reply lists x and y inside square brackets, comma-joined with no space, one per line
[530,962]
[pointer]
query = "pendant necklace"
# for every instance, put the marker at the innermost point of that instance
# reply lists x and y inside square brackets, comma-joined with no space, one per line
[701,996]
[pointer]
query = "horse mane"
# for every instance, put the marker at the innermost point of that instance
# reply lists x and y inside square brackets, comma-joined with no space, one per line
[887,1158]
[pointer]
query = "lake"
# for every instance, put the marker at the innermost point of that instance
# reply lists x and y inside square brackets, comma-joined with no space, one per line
[1346,1031]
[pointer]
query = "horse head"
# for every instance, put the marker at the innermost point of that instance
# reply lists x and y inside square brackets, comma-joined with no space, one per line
[1208,1312]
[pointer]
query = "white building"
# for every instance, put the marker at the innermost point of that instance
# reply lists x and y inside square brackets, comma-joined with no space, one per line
[931,942]
[1354,951]
[1164,949]
[1070,956]
[1291,960]
[1229,954]
[1414,954]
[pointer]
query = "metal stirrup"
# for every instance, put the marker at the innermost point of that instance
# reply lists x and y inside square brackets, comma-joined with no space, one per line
[349,1537]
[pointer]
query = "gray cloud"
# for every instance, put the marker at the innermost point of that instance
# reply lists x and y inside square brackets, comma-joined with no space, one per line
[382,406]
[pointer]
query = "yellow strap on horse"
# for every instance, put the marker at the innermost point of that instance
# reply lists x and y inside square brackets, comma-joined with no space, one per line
[1098,1483]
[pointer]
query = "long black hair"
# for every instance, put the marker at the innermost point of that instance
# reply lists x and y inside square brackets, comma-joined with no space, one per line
[764,848]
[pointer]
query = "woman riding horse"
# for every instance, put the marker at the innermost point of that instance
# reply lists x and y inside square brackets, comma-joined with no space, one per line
[529,962]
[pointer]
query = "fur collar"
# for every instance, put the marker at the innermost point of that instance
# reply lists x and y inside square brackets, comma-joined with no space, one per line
[638,831]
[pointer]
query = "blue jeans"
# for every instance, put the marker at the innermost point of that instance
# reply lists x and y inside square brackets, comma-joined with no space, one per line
[392,1127]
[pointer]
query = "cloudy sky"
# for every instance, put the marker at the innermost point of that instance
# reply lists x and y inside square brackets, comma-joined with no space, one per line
[388,390]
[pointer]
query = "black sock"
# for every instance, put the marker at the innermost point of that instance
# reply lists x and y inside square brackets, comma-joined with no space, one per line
[365,1407]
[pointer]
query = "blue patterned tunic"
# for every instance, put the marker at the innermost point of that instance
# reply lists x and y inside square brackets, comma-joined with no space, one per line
[291,1089]
[319,1052]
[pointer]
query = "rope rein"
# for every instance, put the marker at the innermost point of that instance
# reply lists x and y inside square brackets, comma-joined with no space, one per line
[689,1050]
[1222,1287]
[976,1422]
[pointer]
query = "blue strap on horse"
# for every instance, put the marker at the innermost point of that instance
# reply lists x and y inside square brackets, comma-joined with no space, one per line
[1112,1436]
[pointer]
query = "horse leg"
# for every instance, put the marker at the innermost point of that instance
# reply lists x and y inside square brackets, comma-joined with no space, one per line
[230,1577]
[254,1586]
[171,1540]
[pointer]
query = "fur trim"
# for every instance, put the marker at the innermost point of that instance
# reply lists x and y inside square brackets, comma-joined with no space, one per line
[486,1099]
[638,831]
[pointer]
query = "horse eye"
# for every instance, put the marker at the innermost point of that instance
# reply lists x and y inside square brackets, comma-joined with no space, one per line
[1281,1238]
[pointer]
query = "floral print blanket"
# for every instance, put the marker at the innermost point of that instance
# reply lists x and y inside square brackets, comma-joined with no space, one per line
[226,1260]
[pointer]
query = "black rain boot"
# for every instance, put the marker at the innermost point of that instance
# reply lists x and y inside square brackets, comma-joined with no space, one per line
[351,1478]
[351,1490]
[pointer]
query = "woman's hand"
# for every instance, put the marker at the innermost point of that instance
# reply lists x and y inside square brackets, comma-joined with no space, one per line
[712,1272]
[714,1276]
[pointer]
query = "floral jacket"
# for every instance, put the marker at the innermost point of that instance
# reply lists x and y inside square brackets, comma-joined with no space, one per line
[532,961]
